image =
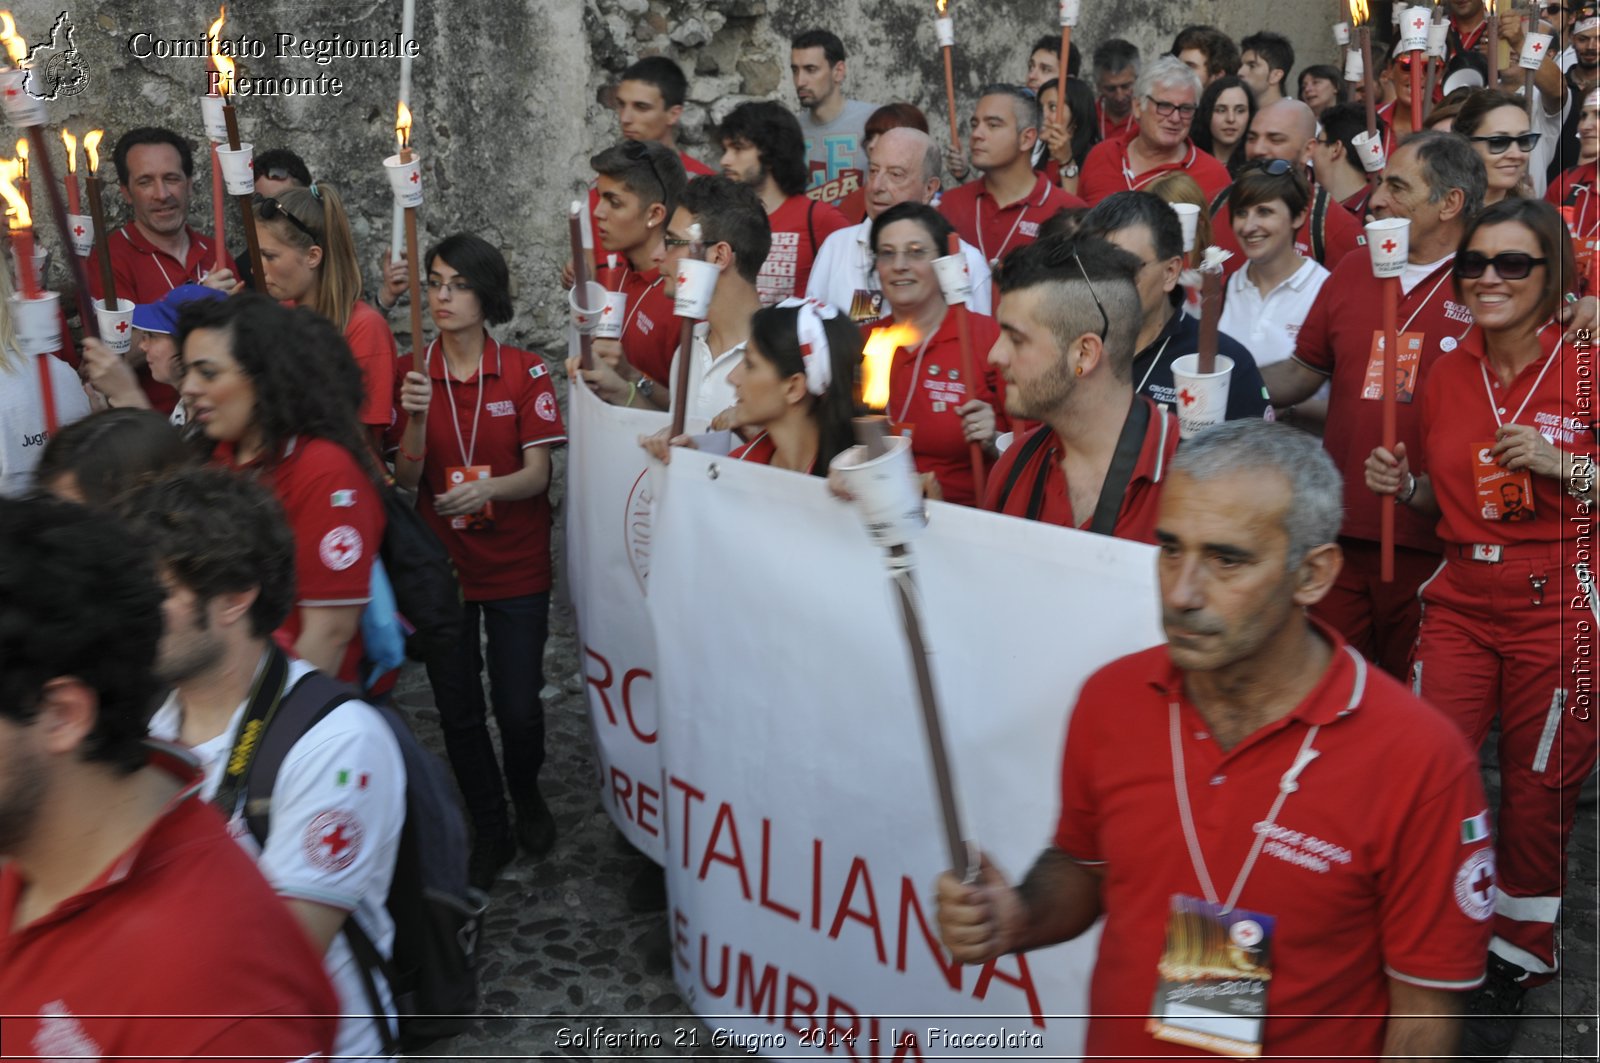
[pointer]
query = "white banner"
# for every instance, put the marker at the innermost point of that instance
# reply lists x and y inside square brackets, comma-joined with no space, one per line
[609,553]
[803,831]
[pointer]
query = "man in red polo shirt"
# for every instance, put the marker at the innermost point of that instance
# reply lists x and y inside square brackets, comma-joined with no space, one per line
[639,184]
[1336,159]
[1069,313]
[1261,896]
[1469,22]
[1437,182]
[764,147]
[1164,102]
[649,104]
[159,250]
[1287,130]
[1116,68]
[1004,210]
[131,925]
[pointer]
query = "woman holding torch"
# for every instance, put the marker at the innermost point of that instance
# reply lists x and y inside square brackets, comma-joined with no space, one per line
[1506,464]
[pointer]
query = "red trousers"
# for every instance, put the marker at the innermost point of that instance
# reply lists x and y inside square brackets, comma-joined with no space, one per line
[1493,643]
[1379,619]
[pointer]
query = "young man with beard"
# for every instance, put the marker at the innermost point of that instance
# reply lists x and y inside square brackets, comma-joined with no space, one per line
[833,125]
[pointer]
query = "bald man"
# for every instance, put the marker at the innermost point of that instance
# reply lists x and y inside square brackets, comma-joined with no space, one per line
[1287,130]
[903,166]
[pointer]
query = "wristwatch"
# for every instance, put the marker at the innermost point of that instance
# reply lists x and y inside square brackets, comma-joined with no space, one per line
[646,385]
[1070,169]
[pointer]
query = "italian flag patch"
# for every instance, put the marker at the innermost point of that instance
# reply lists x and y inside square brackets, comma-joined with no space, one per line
[1475,829]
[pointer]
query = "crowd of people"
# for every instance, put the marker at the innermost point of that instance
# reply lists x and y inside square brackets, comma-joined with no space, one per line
[210,514]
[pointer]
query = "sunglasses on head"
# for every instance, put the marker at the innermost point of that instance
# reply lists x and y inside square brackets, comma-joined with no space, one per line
[1270,167]
[1508,265]
[270,208]
[1501,143]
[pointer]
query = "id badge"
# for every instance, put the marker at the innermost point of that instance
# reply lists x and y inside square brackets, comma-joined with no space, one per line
[1405,367]
[901,428]
[866,306]
[1503,494]
[483,520]
[1213,978]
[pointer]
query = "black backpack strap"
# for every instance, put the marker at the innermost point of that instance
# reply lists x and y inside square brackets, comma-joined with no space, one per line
[369,959]
[1319,225]
[1221,201]
[1120,474]
[266,697]
[811,227]
[1030,447]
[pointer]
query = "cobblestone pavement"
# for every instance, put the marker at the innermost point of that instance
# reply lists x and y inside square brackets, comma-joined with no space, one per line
[570,973]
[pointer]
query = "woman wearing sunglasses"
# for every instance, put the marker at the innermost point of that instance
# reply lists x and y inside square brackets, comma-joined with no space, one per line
[309,257]
[1506,464]
[929,395]
[1496,123]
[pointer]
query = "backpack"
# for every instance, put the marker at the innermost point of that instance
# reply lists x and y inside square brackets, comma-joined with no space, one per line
[423,578]
[437,915]
[1319,219]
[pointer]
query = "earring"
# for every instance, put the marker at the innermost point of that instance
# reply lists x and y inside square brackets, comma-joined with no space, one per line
[1079,370]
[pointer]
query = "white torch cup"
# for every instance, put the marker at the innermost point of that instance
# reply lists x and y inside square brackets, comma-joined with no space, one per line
[41,266]
[37,322]
[405,179]
[612,317]
[238,175]
[1535,46]
[1388,242]
[945,30]
[1414,25]
[1070,9]
[22,109]
[1438,39]
[696,281]
[211,119]
[116,326]
[886,491]
[1341,34]
[1371,152]
[1189,218]
[1353,70]
[586,310]
[1202,397]
[955,280]
[80,231]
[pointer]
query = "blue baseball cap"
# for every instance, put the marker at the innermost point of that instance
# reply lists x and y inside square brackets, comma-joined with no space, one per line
[162,315]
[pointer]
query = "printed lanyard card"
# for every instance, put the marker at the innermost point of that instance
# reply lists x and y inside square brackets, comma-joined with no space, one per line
[483,520]
[866,306]
[1405,367]
[1212,990]
[1503,494]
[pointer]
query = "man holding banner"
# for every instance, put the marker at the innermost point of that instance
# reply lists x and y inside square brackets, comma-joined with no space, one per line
[1240,912]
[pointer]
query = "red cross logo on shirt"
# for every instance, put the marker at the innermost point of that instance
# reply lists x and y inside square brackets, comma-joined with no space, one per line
[77,230]
[332,840]
[1187,397]
[336,842]
[122,326]
[1484,883]
[1389,246]
[415,177]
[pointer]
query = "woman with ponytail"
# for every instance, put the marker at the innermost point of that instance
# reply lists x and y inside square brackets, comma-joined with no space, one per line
[308,255]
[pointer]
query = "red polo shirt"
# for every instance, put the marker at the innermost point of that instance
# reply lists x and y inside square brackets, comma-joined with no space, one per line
[1357,204]
[1366,870]
[372,344]
[995,230]
[799,226]
[178,950]
[1336,340]
[926,386]
[1457,418]
[1341,234]
[649,338]
[337,519]
[1110,130]
[1136,520]
[1577,194]
[519,410]
[1108,170]
[145,273]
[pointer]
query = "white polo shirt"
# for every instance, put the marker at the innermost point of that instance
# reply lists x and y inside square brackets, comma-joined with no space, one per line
[1269,325]
[709,390]
[844,266]
[337,808]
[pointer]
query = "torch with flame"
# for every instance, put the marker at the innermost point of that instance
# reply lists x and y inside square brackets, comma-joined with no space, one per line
[21,223]
[74,203]
[91,151]
[16,47]
[876,358]
[944,28]
[221,63]
[402,130]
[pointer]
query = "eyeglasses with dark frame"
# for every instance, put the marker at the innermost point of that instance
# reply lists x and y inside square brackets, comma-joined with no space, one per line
[271,208]
[1508,265]
[1165,109]
[1500,143]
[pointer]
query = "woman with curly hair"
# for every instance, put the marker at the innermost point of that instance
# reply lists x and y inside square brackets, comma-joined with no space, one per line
[277,390]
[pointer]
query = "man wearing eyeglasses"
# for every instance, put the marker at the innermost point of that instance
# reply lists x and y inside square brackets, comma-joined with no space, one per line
[1336,158]
[1166,96]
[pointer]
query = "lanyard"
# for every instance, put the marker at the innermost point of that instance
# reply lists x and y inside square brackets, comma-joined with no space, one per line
[467,449]
[978,214]
[626,321]
[916,373]
[744,454]
[1549,360]
[1425,301]
[1286,786]
[1154,362]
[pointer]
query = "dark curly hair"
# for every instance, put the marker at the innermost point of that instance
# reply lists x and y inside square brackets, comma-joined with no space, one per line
[216,532]
[79,598]
[307,382]
[776,135]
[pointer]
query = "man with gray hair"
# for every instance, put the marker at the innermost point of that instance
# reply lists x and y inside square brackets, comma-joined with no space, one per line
[1217,803]
[903,166]
[1165,99]
[1004,210]
[1069,315]
[1436,181]
[1116,67]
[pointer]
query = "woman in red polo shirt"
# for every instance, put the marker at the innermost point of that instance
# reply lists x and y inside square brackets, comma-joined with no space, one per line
[1507,465]
[1577,190]
[481,418]
[276,390]
[308,256]
[929,394]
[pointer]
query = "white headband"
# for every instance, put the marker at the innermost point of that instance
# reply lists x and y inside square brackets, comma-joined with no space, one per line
[813,341]
[1587,23]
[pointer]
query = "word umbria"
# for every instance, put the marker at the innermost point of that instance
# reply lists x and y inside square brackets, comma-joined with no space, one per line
[321,85]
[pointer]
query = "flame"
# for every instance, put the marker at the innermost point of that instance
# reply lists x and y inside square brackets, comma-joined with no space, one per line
[72,150]
[402,125]
[10,172]
[223,64]
[875,360]
[16,47]
[91,148]
[1358,12]
[942,4]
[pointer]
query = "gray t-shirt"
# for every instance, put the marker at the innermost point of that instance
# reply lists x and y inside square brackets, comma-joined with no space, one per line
[833,151]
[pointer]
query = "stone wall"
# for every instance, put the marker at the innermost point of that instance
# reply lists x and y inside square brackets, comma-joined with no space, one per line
[510,97]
